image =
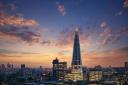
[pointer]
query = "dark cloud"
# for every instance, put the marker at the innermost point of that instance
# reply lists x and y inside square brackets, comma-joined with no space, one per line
[12,33]
[46,42]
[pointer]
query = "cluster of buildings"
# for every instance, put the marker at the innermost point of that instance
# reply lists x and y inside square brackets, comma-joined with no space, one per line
[59,74]
[7,66]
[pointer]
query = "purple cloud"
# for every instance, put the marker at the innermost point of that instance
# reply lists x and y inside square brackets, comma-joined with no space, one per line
[61,9]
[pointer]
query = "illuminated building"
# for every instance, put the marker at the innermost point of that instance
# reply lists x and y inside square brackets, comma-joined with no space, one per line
[59,69]
[76,66]
[95,75]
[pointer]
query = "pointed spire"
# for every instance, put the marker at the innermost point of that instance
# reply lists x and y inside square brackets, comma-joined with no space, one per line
[76,60]
[77,30]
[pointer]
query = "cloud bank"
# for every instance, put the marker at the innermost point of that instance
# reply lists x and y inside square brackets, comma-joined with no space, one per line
[16,28]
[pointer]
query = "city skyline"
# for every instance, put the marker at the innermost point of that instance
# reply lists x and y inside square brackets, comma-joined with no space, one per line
[35,33]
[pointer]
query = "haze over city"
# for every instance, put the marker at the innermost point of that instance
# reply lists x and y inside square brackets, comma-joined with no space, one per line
[34,32]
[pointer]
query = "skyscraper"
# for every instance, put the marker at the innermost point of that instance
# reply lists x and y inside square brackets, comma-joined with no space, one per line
[76,59]
[76,71]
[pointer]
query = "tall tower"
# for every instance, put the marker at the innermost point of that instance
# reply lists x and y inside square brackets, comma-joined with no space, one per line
[76,59]
[76,65]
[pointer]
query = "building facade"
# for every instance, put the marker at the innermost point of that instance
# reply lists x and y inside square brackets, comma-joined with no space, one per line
[59,69]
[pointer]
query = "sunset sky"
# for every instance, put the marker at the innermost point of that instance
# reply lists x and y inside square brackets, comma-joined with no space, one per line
[35,32]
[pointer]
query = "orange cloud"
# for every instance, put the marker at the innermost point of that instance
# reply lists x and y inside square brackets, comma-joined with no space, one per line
[16,21]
